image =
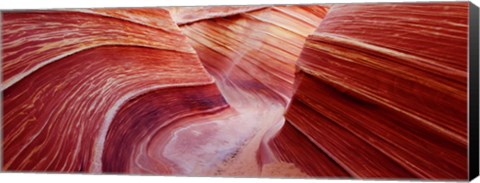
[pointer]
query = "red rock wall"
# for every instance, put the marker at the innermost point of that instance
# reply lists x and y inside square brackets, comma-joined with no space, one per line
[381,89]
[75,83]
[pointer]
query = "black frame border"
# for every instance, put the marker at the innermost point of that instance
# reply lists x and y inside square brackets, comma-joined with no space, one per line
[473,127]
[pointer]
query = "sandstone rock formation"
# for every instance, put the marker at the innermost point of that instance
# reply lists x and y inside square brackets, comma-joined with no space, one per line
[381,90]
[71,77]
[352,90]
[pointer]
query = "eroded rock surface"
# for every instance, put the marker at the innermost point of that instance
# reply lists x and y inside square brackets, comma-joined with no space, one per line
[70,79]
[381,90]
[342,90]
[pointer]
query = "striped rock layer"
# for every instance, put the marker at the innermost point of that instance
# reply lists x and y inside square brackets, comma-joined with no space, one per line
[89,88]
[354,90]
[381,93]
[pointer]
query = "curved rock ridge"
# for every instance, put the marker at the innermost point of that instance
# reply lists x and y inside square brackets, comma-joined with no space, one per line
[78,76]
[154,17]
[31,40]
[380,92]
[186,15]
[140,128]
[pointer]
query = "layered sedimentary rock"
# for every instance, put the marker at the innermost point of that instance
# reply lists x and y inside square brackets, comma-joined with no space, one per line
[252,53]
[32,40]
[83,89]
[381,91]
[363,91]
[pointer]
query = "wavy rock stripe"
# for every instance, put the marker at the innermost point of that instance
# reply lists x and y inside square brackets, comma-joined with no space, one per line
[255,51]
[32,40]
[63,116]
[387,82]
[409,24]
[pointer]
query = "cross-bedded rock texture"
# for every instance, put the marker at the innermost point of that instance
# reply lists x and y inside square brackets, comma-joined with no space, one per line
[71,77]
[381,90]
[338,90]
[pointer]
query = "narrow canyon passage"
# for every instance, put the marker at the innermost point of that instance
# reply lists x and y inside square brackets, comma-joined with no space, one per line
[254,74]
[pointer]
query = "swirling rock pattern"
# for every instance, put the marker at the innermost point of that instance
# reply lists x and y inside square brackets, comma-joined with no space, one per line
[353,90]
[64,115]
[32,40]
